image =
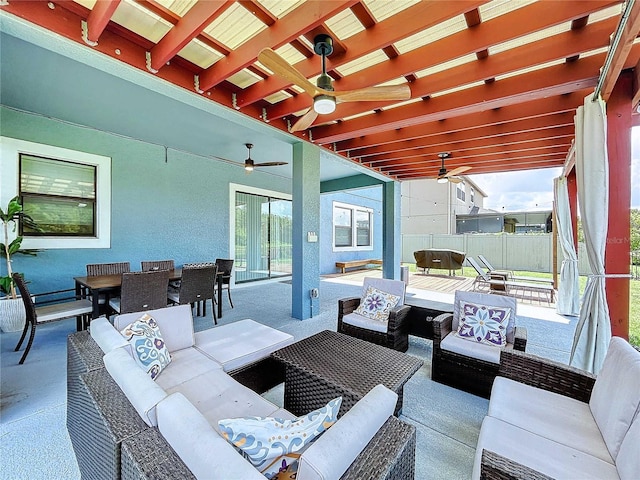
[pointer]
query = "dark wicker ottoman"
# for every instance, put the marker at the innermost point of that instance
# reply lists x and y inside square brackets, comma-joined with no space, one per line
[331,364]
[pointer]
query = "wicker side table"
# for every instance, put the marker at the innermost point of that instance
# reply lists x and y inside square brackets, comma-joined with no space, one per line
[330,364]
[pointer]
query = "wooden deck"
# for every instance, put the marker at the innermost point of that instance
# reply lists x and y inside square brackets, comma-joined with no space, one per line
[446,284]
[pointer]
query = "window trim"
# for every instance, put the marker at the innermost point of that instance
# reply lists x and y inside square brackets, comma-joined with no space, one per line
[354,229]
[10,148]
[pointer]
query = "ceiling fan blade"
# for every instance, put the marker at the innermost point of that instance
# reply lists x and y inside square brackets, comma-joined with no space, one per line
[454,179]
[457,171]
[304,121]
[269,164]
[281,67]
[390,92]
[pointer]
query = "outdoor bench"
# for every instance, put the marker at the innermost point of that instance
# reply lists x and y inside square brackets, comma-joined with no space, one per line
[357,263]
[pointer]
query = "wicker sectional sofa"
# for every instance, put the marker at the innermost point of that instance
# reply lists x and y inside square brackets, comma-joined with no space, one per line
[549,420]
[124,425]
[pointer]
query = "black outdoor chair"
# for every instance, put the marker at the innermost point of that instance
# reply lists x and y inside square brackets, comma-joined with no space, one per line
[141,291]
[196,287]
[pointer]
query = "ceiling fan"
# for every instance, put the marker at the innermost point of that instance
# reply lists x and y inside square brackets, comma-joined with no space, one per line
[249,164]
[324,97]
[445,176]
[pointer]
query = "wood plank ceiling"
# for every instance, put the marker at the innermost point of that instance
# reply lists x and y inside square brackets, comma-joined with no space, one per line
[495,83]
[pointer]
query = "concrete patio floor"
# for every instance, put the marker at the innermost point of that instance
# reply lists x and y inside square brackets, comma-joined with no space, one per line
[34,442]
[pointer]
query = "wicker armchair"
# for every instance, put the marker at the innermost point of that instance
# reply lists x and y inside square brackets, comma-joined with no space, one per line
[469,373]
[141,291]
[395,334]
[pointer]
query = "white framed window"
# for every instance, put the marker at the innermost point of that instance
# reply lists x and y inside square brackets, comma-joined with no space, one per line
[472,194]
[352,227]
[67,191]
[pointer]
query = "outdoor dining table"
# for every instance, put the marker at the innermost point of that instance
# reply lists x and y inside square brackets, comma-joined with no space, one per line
[97,284]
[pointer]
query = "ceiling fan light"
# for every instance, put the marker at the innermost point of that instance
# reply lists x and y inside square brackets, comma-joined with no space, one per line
[443,180]
[324,104]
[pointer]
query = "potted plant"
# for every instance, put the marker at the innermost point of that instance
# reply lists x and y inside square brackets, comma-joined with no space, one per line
[12,314]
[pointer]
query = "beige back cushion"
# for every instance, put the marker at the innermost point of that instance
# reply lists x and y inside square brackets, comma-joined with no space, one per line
[175,324]
[615,399]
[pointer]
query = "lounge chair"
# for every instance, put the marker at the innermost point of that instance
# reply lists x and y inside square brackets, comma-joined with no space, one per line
[510,275]
[500,282]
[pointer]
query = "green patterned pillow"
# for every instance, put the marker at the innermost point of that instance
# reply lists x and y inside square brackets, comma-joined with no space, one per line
[377,304]
[272,444]
[147,345]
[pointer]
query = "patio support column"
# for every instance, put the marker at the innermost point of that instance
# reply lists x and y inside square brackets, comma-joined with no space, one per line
[306,218]
[391,239]
[617,250]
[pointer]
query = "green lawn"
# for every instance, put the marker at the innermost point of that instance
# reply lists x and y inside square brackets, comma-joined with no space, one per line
[634,297]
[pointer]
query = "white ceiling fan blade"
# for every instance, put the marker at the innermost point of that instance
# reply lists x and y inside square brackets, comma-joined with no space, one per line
[304,121]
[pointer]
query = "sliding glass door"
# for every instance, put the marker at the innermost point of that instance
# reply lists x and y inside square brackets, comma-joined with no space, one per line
[262,236]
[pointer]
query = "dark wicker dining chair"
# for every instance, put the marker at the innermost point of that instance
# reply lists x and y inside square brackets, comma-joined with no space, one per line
[157,265]
[141,291]
[226,267]
[196,287]
[95,269]
[81,309]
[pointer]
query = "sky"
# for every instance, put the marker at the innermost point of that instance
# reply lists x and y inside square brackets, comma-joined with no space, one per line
[533,190]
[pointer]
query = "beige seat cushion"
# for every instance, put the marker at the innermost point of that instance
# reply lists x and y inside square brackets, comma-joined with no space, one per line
[539,453]
[364,322]
[481,351]
[185,364]
[241,343]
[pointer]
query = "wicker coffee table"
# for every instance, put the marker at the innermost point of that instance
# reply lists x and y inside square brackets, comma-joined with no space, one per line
[331,364]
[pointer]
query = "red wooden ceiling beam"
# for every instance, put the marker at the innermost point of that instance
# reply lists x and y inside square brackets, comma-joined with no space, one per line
[493,32]
[64,21]
[497,158]
[554,48]
[98,19]
[495,133]
[469,159]
[539,137]
[404,24]
[261,13]
[555,80]
[188,27]
[621,53]
[546,108]
[303,18]
[500,168]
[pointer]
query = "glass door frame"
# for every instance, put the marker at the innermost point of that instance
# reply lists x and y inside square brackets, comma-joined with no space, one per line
[235,188]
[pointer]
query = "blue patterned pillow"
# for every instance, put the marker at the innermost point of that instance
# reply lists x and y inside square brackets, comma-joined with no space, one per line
[377,304]
[483,324]
[147,345]
[272,444]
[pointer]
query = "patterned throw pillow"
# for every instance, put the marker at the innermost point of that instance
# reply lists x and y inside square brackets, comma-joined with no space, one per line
[147,345]
[377,304]
[483,324]
[272,445]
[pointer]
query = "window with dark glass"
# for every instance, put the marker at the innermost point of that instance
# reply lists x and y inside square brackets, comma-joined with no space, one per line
[59,195]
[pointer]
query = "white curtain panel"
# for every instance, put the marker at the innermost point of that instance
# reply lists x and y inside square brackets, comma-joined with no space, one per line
[593,331]
[568,302]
